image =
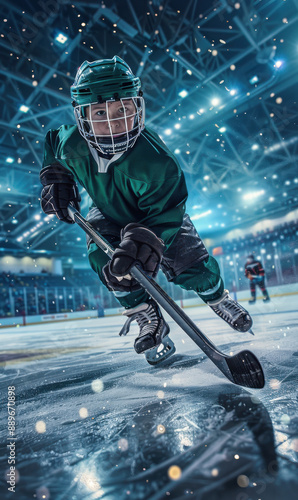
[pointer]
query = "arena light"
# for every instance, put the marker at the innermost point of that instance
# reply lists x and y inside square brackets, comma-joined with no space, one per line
[253,195]
[177,126]
[9,159]
[183,93]
[168,131]
[281,145]
[24,108]
[254,79]
[177,151]
[203,214]
[233,92]
[215,101]
[61,38]
[278,64]
[255,147]
[222,130]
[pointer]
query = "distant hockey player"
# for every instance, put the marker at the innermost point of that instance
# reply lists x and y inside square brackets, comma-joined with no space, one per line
[255,272]
[138,196]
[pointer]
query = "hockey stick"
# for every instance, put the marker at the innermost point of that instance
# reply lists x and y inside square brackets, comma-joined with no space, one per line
[242,369]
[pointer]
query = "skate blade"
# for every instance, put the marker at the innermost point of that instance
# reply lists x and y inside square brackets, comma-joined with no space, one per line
[160,353]
[250,331]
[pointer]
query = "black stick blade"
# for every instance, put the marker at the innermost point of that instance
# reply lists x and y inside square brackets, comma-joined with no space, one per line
[246,370]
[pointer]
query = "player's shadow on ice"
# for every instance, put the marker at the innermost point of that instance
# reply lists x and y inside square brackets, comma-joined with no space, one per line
[177,360]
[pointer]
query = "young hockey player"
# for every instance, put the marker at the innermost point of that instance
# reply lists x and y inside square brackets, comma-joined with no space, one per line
[138,196]
[255,272]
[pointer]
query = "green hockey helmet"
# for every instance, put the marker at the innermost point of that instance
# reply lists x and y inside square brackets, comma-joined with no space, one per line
[108,105]
[103,80]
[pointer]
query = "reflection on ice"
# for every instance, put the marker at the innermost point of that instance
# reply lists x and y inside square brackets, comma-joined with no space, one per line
[87,481]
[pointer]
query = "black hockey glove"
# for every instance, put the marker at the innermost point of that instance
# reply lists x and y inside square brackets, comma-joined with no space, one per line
[59,190]
[139,245]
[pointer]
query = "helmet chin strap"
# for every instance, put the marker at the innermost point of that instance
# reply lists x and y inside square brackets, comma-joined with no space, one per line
[101,154]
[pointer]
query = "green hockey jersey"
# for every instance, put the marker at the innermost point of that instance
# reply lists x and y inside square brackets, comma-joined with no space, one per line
[145,185]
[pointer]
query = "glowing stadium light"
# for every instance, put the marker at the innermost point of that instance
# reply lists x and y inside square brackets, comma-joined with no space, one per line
[177,151]
[203,214]
[271,198]
[9,159]
[61,38]
[191,117]
[201,110]
[14,221]
[255,147]
[24,108]
[253,195]
[183,93]
[263,250]
[278,64]
[253,80]
[281,145]
[274,176]
[196,207]
[177,126]
[204,188]
[168,131]
[37,216]
[206,177]
[233,92]
[222,130]
[215,101]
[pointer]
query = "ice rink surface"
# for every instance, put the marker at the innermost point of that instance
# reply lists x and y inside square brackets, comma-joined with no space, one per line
[94,420]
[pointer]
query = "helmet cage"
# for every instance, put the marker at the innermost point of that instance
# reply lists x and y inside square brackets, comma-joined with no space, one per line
[109,144]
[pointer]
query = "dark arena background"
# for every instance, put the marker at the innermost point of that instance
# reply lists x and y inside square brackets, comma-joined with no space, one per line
[82,415]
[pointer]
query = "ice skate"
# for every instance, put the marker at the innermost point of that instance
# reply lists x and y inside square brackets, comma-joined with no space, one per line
[153,328]
[266,299]
[252,300]
[231,312]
